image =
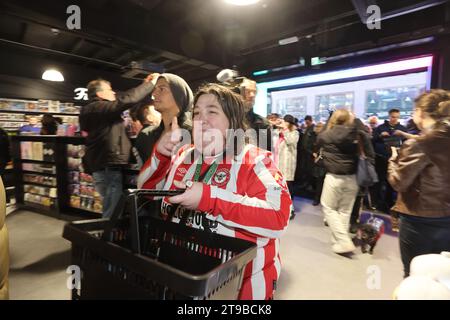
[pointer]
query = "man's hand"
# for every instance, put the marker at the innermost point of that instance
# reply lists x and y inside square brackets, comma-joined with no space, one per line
[152,77]
[394,154]
[385,134]
[191,197]
[169,140]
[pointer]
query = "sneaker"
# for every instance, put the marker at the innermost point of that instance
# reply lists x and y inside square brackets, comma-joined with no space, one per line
[315,203]
[343,248]
[292,216]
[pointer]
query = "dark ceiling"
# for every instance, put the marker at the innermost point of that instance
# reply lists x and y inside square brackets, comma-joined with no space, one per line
[197,38]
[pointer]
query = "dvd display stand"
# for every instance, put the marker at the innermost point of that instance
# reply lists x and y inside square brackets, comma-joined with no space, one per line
[49,177]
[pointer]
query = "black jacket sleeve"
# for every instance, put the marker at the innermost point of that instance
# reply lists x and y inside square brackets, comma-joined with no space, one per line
[126,99]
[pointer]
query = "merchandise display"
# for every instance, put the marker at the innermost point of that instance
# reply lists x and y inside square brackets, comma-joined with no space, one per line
[81,186]
[38,151]
[14,114]
[38,168]
[39,179]
[50,106]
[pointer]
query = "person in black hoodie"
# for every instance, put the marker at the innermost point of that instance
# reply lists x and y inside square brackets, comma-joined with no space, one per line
[172,98]
[107,144]
[339,143]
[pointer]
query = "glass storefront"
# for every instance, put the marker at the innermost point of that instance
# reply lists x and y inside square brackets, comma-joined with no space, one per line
[330,102]
[380,101]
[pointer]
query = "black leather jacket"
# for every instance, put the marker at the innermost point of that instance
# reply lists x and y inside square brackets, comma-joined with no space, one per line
[107,143]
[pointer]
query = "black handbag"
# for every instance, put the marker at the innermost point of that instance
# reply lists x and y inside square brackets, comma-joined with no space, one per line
[366,176]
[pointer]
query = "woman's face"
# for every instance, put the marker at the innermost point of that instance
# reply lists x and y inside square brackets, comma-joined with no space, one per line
[210,125]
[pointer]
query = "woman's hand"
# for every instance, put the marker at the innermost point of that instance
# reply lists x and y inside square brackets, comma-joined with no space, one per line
[399,133]
[190,199]
[169,140]
[394,154]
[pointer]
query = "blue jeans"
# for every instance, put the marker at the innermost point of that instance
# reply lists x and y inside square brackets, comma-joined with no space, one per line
[108,183]
[419,235]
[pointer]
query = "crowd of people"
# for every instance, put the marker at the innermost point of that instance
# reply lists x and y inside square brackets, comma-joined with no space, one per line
[242,185]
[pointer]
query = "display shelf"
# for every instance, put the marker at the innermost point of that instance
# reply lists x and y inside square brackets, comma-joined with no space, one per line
[86,212]
[58,165]
[42,195]
[49,211]
[36,161]
[38,184]
[40,112]
[75,189]
[37,172]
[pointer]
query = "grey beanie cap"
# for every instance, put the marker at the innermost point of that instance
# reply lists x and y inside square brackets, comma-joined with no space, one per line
[181,91]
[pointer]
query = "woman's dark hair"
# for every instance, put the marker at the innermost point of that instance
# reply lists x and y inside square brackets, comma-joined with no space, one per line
[49,125]
[435,103]
[232,105]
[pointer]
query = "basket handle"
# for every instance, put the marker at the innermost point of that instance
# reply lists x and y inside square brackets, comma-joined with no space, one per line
[131,195]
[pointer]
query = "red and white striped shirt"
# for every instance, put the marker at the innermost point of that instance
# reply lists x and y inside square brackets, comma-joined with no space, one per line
[247,198]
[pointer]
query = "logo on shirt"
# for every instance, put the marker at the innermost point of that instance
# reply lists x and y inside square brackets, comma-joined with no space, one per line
[221,177]
[181,172]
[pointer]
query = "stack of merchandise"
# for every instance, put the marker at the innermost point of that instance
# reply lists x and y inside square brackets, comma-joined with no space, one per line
[81,185]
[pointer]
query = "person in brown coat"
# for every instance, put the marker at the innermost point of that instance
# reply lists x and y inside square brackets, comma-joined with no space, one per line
[420,173]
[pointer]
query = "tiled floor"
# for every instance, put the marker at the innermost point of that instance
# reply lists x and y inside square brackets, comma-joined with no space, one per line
[40,256]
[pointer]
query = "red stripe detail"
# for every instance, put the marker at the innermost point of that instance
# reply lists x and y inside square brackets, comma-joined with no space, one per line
[270,272]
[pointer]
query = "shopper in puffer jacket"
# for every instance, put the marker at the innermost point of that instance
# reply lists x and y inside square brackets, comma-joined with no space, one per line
[339,142]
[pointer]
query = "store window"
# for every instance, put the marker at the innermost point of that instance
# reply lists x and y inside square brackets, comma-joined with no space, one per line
[380,101]
[295,106]
[330,102]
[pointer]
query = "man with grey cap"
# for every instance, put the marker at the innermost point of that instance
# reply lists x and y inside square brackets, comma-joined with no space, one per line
[172,98]
[107,145]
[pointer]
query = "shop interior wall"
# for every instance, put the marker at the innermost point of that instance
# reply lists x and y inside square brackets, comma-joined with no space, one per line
[21,71]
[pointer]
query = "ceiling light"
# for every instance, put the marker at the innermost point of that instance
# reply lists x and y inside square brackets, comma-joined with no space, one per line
[286,41]
[260,73]
[52,75]
[242,2]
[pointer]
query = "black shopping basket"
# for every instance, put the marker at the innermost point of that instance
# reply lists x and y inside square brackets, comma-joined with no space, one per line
[143,257]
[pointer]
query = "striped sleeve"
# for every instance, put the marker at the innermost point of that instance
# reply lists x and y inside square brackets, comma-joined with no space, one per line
[154,171]
[265,208]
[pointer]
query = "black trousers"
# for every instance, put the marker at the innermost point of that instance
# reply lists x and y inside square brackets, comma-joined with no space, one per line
[419,235]
[383,194]
[318,187]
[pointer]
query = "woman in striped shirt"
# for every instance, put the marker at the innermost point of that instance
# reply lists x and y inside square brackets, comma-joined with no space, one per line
[232,188]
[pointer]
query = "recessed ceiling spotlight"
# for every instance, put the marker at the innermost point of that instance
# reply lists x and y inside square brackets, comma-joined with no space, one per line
[242,2]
